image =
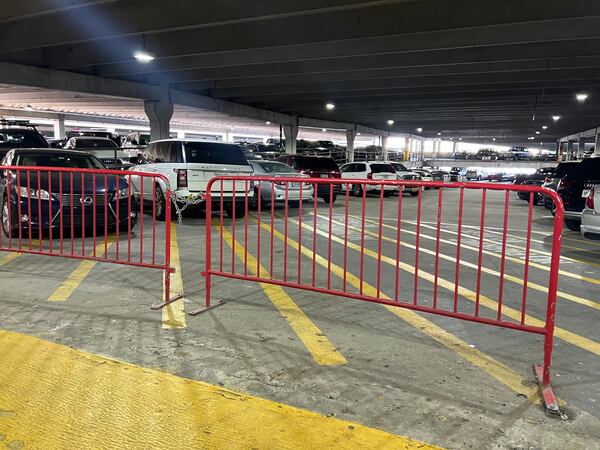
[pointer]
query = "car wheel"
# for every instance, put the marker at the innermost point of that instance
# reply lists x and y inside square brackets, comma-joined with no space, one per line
[160,203]
[553,211]
[357,190]
[414,194]
[573,225]
[5,225]
[479,178]
[253,201]
[387,193]
[240,210]
[329,200]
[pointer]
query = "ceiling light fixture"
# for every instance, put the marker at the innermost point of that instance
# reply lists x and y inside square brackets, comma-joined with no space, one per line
[556,118]
[439,134]
[544,127]
[324,130]
[268,123]
[493,139]
[537,132]
[329,106]
[581,97]
[419,130]
[390,122]
[143,57]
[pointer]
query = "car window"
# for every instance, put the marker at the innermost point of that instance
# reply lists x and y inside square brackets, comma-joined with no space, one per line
[274,167]
[59,160]
[212,153]
[379,168]
[21,138]
[92,143]
[150,153]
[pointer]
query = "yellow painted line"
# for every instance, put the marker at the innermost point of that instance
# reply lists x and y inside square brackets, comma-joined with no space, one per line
[545,268]
[319,346]
[499,371]
[8,258]
[56,397]
[567,336]
[173,315]
[67,287]
[516,280]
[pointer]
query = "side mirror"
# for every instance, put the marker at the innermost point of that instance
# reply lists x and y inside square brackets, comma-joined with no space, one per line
[136,159]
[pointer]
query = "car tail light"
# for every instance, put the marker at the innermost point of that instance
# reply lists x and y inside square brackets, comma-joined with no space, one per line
[370,175]
[336,175]
[564,184]
[548,180]
[182,181]
[589,201]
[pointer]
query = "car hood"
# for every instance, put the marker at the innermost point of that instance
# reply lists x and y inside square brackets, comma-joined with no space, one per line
[71,182]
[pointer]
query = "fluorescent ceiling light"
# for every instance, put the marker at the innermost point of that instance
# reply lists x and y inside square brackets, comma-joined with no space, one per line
[581,97]
[390,122]
[419,130]
[544,127]
[143,57]
[330,106]
[556,118]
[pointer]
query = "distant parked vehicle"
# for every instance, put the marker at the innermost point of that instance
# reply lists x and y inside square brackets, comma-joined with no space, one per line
[551,180]
[475,174]
[544,155]
[575,187]
[94,133]
[590,217]
[19,134]
[316,167]
[102,148]
[518,153]
[487,154]
[456,173]
[461,155]
[277,191]
[369,170]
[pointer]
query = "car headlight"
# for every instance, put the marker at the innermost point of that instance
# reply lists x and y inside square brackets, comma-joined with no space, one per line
[123,193]
[34,193]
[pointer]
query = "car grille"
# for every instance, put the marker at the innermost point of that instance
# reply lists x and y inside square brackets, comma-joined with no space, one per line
[88,199]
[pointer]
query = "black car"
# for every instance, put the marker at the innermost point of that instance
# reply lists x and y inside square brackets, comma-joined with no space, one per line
[487,154]
[51,200]
[461,155]
[574,188]
[19,134]
[316,167]
[535,179]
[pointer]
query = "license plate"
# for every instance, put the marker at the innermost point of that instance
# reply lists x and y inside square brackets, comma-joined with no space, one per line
[415,189]
[323,175]
[585,192]
[295,184]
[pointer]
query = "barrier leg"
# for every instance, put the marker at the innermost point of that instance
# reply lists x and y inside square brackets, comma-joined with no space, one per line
[542,373]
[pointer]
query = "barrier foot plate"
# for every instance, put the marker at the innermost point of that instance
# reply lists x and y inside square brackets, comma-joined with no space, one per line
[206,308]
[163,304]
[550,400]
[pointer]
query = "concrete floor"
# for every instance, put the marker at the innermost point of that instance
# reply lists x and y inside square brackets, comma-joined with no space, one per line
[443,381]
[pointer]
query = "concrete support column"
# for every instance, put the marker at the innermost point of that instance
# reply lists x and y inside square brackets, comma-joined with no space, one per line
[159,114]
[406,149]
[181,135]
[454,147]
[350,136]
[385,145]
[228,137]
[291,134]
[580,148]
[569,151]
[597,144]
[59,128]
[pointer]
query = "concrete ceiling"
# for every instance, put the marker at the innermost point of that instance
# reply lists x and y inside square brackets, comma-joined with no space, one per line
[478,69]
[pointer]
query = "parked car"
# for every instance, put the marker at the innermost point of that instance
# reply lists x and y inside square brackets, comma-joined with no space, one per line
[277,191]
[496,176]
[544,155]
[411,176]
[590,217]
[440,175]
[102,148]
[487,154]
[19,134]
[551,180]
[95,133]
[189,165]
[461,155]
[316,167]
[475,174]
[456,173]
[575,187]
[372,170]
[518,153]
[46,189]
[535,179]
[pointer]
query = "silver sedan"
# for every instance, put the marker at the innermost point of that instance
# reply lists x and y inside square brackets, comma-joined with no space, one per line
[277,191]
[590,218]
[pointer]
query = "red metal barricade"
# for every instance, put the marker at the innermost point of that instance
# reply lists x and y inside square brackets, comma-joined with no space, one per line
[87,214]
[289,229]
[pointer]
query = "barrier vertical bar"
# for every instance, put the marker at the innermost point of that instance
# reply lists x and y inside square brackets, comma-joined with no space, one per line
[106,216]
[118,219]
[503,256]
[128,215]
[480,256]
[141,215]
[285,231]
[233,205]
[39,209]
[208,270]
[167,261]
[221,227]
[346,236]
[83,214]
[19,212]
[527,251]
[271,236]
[300,204]
[60,211]
[379,241]
[314,249]
[29,213]
[95,207]
[417,247]
[246,228]
[258,274]
[398,228]
[362,237]
[50,215]
[329,240]
[458,241]
[437,246]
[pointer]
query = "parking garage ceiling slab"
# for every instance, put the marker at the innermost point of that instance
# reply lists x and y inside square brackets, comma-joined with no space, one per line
[478,69]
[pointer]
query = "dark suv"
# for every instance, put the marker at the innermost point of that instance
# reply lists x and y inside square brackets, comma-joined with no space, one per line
[19,134]
[575,186]
[316,167]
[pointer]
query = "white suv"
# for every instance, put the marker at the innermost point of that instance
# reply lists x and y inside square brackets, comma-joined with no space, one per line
[376,170]
[189,165]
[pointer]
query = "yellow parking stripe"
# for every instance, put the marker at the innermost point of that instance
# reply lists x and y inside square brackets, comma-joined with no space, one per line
[545,268]
[320,347]
[8,258]
[567,336]
[173,315]
[499,371]
[67,287]
[57,397]
[519,281]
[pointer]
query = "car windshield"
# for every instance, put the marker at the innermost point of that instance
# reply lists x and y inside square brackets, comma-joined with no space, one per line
[95,143]
[61,159]
[21,138]
[588,169]
[401,167]
[315,164]
[212,153]
[274,167]
[379,168]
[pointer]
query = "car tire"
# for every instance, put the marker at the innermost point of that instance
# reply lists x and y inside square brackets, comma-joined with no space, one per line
[253,201]
[4,218]
[357,190]
[414,194]
[160,203]
[240,210]
[328,200]
[387,193]
[573,225]
[479,178]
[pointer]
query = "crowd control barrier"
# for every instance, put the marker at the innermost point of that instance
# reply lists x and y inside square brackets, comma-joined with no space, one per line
[386,242]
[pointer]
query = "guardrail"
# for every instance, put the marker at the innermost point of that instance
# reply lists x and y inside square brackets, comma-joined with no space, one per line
[290,259]
[85,214]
